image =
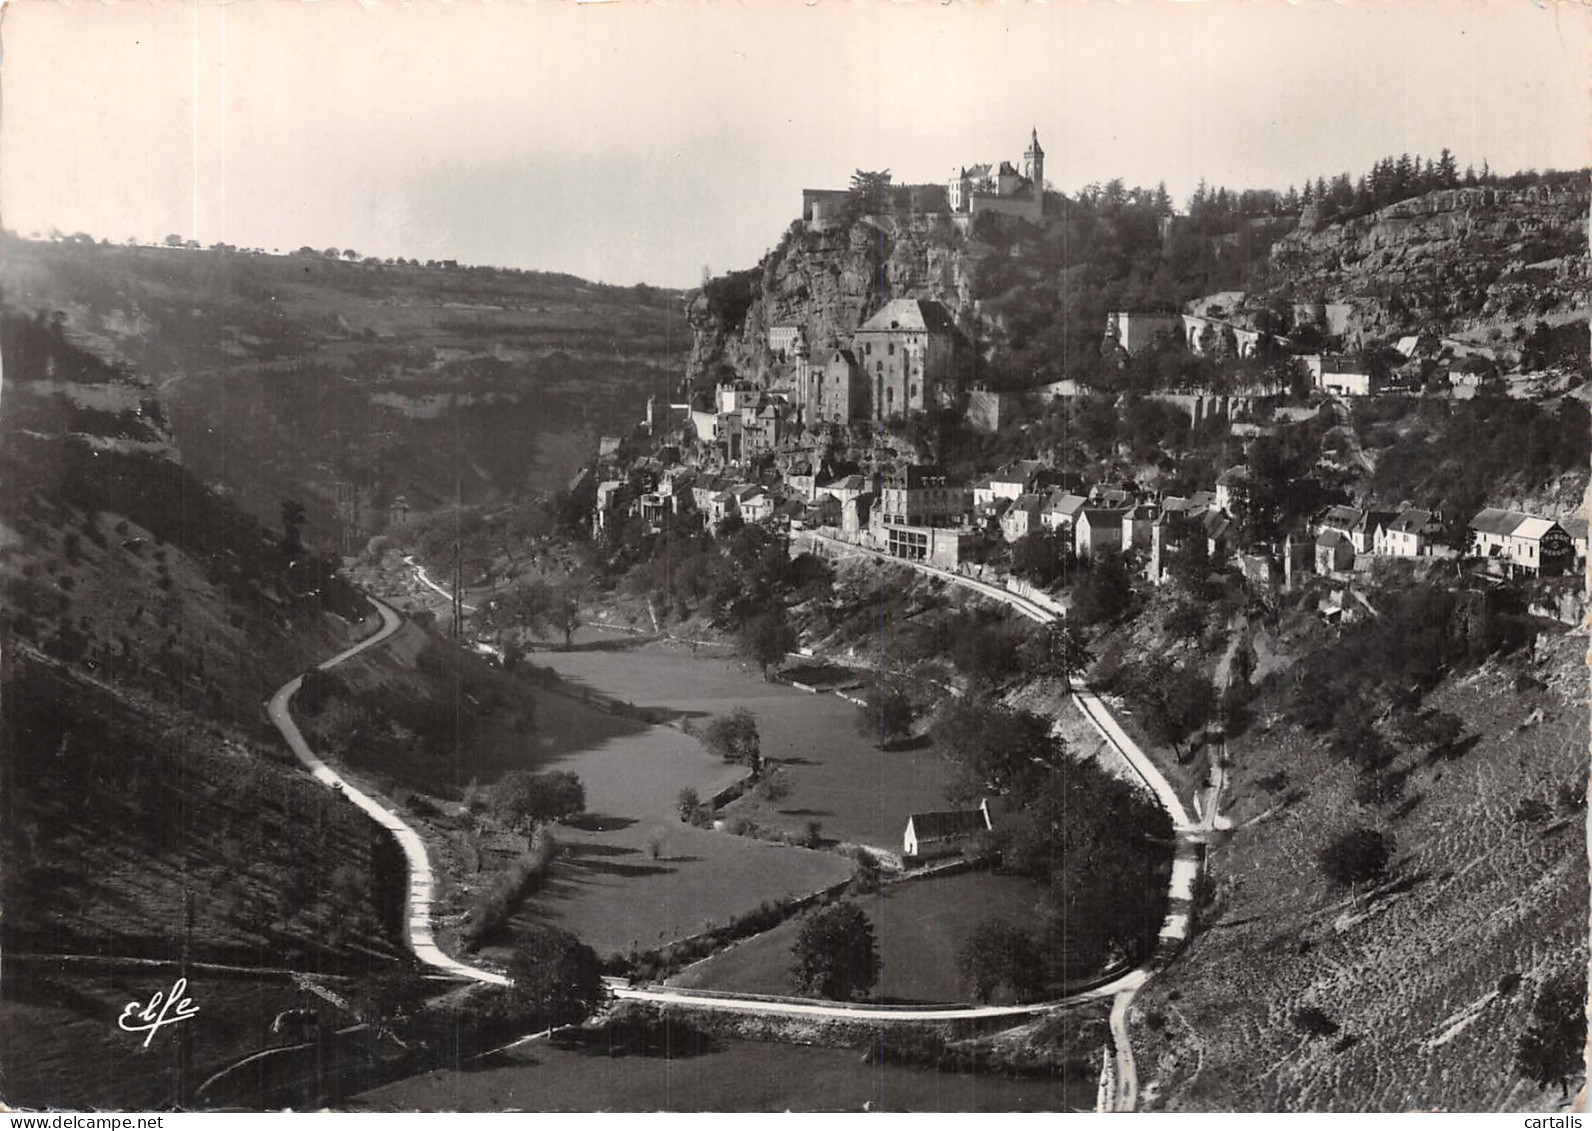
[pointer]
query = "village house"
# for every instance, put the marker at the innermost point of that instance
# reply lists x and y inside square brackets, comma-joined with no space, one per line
[942,546]
[921,495]
[830,387]
[944,833]
[752,502]
[704,489]
[1098,530]
[1022,517]
[846,489]
[1111,496]
[1218,528]
[1137,523]
[1576,528]
[1061,510]
[1137,330]
[1360,526]
[612,497]
[1232,488]
[909,351]
[1334,551]
[1345,376]
[803,484]
[1411,534]
[1522,542]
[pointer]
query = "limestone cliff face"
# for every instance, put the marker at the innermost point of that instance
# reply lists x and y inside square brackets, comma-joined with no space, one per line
[1462,258]
[827,283]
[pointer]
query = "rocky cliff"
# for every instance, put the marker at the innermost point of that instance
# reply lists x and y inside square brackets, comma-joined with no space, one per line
[1466,260]
[826,282]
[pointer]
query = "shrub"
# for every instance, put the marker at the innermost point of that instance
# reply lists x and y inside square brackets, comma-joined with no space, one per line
[512,885]
[1309,1019]
[1357,857]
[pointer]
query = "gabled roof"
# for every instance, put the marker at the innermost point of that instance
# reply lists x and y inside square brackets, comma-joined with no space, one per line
[947,823]
[1102,516]
[1215,523]
[849,483]
[1342,518]
[910,314]
[1495,520]
[1534,528]
[1029,503]
[1331,537]
[1065,503]
[1142,511]
[1410,522]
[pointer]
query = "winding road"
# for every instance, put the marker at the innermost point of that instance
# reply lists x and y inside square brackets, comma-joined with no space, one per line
[1120,1085]
[1123,1078]
[422,883]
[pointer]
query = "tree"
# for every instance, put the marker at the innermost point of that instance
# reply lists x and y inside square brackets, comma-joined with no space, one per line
[835,954]
[734,738]
[1039,557]
[687,804]
[1101,592]
[557,979]
[524,798]
[999,954]
[870,192]
[886,716]
[1552,1046]
[1357,857]
[1176,701]
[766,638]
[997,749]
[293,518]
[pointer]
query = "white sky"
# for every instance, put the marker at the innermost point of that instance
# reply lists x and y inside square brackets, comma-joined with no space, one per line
[629,142]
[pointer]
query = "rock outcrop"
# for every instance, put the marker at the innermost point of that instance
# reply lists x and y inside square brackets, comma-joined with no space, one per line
[1465,259]
[827,283]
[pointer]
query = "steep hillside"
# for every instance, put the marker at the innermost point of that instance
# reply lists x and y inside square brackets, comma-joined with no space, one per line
[1465,260]
[150,812]
[827,282]
[1413,989]
[1483,263]
[327,380]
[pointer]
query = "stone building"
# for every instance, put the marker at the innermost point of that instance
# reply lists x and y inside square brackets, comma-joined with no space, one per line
[975,189]
[909,351]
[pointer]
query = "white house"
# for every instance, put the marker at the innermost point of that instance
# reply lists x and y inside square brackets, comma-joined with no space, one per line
[1522,541]
[943,833]
[1412,534]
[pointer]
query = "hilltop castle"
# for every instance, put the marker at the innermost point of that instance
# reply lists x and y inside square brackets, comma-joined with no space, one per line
[985,188]
[969,191]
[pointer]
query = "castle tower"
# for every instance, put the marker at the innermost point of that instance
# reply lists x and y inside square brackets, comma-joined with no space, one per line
[1034,170]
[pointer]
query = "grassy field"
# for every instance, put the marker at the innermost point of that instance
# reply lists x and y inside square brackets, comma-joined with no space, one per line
[858,793]
[728,1075]
[920,926]
[1416,974]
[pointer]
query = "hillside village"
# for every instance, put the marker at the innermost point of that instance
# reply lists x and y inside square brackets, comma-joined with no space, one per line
[811,442]
[1044,489]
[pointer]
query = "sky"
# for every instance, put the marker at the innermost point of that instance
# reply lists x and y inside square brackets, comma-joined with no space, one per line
[629,142]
